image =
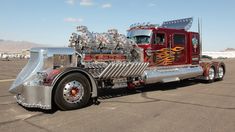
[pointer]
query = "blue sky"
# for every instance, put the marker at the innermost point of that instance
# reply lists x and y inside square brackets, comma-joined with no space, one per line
[52,21]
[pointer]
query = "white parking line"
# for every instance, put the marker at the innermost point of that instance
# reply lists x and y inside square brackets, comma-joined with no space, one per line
[7,80]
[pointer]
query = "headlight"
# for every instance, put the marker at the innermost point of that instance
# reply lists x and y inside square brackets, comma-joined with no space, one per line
[149,52]
[42,75]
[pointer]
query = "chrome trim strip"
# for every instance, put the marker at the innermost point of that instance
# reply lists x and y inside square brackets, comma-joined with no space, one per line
[123,69]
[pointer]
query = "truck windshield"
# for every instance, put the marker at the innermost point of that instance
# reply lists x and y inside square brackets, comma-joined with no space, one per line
[140,36]
[141,39]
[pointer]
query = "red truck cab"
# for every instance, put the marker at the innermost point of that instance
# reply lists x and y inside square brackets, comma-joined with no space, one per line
[166,46]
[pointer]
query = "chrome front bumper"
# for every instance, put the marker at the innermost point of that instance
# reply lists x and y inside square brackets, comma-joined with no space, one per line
[35,97]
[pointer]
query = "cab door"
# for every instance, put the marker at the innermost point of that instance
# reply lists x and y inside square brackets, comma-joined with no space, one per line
[159,44]
[178,48]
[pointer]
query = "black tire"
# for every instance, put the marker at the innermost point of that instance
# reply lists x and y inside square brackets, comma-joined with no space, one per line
[221,73]
[212,77]
[59,99]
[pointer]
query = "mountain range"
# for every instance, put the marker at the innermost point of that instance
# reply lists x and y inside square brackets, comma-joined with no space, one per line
[17,46]
[229,49]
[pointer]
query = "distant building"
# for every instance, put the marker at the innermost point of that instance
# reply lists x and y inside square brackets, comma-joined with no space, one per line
[221,54]
[26,53]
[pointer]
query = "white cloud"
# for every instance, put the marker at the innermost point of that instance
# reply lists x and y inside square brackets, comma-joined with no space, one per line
[71,2]
[151,4]
[74,20]
[107,5]
[86,2]
[81,2]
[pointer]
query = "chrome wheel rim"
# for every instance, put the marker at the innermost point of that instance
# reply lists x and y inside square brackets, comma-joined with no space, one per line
[221,72]
[211,73]
[73,92]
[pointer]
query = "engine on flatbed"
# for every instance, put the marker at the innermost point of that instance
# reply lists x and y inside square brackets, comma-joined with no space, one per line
[110,57]
[104,47]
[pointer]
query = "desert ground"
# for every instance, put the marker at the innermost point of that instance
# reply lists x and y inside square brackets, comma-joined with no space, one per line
[187,106]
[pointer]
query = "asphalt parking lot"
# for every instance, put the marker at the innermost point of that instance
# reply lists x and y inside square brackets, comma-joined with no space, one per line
[174,107]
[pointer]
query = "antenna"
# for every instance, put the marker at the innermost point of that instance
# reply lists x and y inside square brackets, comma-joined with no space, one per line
[200,35]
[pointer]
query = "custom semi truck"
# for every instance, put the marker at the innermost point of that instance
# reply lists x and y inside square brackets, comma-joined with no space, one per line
[70,77]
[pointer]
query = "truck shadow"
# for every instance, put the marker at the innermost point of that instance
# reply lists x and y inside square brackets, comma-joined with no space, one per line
[113,93]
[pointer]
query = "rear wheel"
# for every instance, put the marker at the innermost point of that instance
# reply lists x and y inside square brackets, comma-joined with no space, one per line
[73,92]
[211,74]
[221,73]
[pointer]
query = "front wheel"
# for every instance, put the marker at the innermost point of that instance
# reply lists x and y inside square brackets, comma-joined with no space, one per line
[73,92]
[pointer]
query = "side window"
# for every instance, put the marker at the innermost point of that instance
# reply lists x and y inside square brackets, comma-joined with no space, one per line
[159,38]
[179,39]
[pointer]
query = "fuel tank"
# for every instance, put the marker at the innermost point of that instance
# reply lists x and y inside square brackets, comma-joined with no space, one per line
[171,73]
